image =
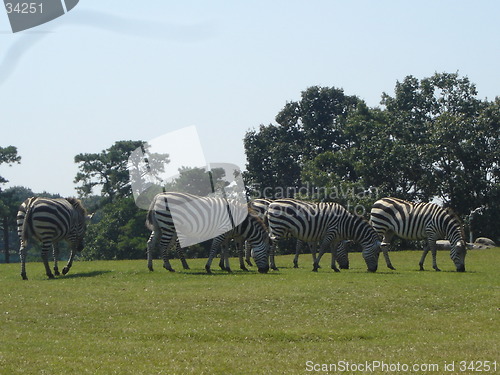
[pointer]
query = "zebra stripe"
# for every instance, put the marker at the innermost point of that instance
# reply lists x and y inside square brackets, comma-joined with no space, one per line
[419,221]
[193,219]
[50,221]
[252,230]
[325,223]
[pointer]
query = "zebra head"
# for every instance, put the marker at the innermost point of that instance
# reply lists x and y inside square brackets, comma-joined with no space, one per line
[457,255]
[260,254]
[370,255]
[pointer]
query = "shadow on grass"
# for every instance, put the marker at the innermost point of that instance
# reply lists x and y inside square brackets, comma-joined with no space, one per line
[225,273]
[84,274]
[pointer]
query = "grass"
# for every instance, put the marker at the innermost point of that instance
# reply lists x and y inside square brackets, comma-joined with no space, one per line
[116,317]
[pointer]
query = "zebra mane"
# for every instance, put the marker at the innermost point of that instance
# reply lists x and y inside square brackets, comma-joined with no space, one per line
[77,205]
[253,213]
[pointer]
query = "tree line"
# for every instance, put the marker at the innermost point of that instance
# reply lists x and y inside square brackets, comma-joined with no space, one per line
[432,140]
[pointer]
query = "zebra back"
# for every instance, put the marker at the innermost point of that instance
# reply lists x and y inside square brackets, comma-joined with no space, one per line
[416,221]
[194,218]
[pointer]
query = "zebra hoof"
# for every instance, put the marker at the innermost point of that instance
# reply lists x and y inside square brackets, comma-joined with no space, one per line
[437,269]
[391,268]
[315,269]
[56,271]
[151,269]
[243,268]
[275,268]
[209,271]
[50,276]
[335,269]
[65,270]
[249,263]
[421,268]
[23,275]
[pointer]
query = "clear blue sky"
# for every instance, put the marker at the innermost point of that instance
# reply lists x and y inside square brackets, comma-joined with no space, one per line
[126,70]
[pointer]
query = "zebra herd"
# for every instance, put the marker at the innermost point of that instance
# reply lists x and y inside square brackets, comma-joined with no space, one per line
[175,218]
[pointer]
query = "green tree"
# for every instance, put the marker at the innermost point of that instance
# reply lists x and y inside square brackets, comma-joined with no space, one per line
[119,232]
[108,169]
[445,135]
[305,129]
[8,155]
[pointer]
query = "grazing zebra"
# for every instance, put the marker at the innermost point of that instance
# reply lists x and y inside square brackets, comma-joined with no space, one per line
[51,221]
[251,230]
[419,221]
[260,206]
[193,218]
[327,223]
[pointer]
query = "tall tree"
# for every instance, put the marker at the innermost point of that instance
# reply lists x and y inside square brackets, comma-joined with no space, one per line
[108,169]
[441,121]
[8,155]
[304,129]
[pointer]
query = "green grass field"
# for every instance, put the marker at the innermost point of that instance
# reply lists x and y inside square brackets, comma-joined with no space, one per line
[116,317]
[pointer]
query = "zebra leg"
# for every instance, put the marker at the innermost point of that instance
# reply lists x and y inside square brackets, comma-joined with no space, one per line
[166,244]
[70,260]
[324,245]
[343,255]
[216,243]
[334,256]
[271,256]
[424,254]
[224,248]
[248,254]
[298,249]
[240,248]
[225,257]
[314,249]
[22,255]
[432,245]
[55,250]
[152,243]
[45,258]
[180,254]
[386,244]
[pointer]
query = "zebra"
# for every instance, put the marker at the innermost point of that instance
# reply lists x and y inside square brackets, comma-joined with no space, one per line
[325,222]
[173,215]
[51,221]
[419,221]
[260,206]
[252,230]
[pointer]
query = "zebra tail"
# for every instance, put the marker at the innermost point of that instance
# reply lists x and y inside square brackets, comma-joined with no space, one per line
[27,231]
[150,217]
